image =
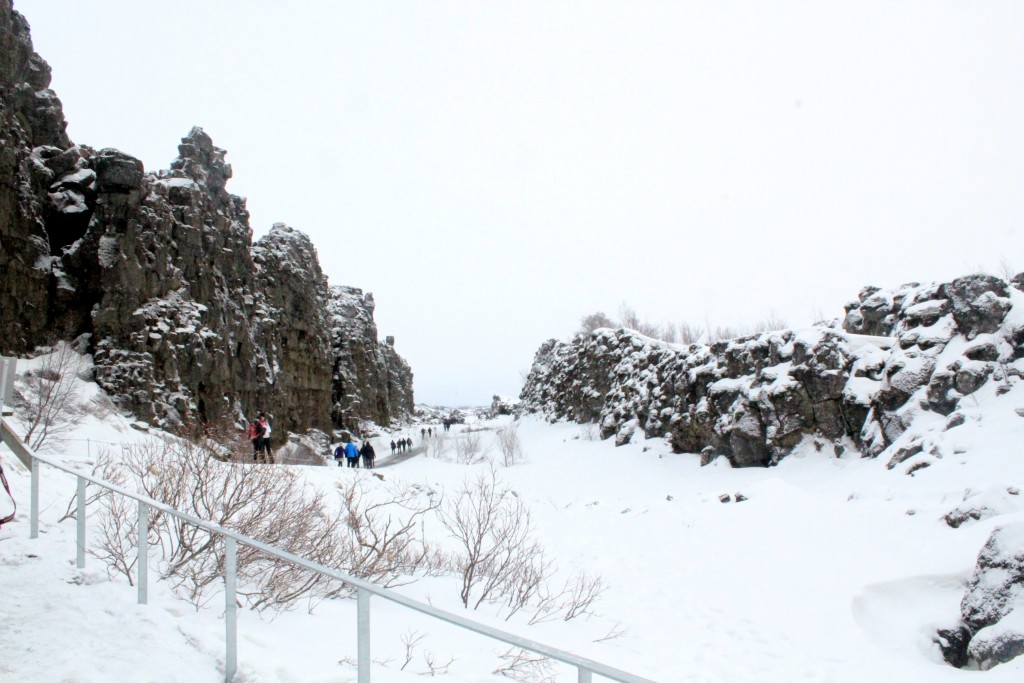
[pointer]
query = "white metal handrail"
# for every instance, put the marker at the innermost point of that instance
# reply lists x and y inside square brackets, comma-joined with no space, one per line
[586,668]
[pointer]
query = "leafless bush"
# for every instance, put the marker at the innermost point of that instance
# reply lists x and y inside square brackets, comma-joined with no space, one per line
[724,333]
[632,321]
[588,432]
[49,402]
[376,540]
[435,667]
[1006,269]
[527,667]
[509,444]
[498,560]
[410,639]
[468,446]
[106,469]
[594,321]
[386,546]
[770,323]
[437,444]
[689,333]
[575,599]
[616,631]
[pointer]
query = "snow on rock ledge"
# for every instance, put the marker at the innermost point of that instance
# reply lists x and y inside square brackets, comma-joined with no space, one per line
[916,350]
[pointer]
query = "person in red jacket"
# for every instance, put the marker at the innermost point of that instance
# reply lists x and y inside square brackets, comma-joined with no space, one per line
[255,436]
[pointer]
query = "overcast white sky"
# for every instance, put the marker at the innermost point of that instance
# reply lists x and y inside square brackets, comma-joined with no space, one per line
[493,171]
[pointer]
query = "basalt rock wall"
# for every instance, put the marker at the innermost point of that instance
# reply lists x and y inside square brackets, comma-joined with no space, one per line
[860,387]
[187,319]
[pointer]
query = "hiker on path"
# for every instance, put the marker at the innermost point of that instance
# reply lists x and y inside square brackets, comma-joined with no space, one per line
[394,446]
[254,433]
[430,431]
[423,432]
[352,454]
[339,453]
[265,438]
[368,455]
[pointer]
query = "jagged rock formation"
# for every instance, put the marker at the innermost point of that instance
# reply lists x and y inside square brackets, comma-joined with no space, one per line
[370,379]
[186,318]
[753,399]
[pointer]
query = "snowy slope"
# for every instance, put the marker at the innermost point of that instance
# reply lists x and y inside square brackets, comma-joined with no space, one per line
[831,569]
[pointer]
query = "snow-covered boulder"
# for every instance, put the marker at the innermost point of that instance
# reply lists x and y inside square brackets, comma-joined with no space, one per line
[992,609]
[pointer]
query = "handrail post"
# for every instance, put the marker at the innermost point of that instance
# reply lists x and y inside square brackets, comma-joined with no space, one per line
[584,675]
[33,514]
[142,561]
[363,634]
[230,608]
[80,515]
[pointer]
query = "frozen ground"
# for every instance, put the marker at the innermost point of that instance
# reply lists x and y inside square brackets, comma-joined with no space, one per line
[830,570]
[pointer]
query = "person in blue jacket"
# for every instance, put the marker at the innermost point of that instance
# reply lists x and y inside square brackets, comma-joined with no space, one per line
[352,454]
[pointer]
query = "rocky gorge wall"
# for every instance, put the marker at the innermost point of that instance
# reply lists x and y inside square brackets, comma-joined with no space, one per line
[913,376]
[919,348]
[187,319]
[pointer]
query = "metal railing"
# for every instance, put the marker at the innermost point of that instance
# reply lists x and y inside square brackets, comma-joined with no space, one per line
[586,668]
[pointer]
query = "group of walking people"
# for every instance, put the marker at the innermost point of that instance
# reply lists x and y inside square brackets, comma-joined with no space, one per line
[351,454]
[258,432]
[401,446]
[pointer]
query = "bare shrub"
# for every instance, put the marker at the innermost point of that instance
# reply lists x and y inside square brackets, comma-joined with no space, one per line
[632,321]
[509,444]
[689,333]
[594,321]
[616,631]
[435,666]
[521,665]
[106,469]
[410,639]
[437,444]
[588,432]
[468,446]
[1006,269]
[49,402]
[575,599]
[376,540]
[770,323]
[384,540]
[498,560]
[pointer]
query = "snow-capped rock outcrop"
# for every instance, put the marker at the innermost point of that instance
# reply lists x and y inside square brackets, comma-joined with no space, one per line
[188,320]
[992,611]
[753,399]
[370,379]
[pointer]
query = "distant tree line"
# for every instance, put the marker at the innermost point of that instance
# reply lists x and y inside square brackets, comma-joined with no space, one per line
[685,332]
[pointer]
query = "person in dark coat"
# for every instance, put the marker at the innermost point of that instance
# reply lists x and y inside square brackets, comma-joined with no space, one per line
[265,440]
[394,446]
[368,455]
[339,453]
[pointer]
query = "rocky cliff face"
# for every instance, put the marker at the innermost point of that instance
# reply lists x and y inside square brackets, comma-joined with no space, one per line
[370,379]
[187,319]
[901,353]
[915,375]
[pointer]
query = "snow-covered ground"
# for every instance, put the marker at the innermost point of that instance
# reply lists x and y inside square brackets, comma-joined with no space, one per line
[832,569]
